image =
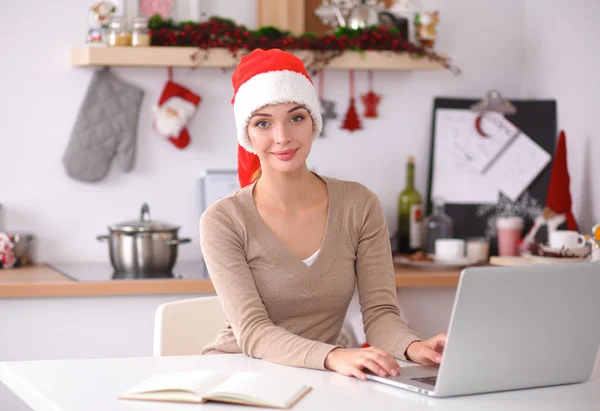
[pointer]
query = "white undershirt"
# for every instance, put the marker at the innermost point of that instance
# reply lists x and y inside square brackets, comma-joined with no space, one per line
[312,258]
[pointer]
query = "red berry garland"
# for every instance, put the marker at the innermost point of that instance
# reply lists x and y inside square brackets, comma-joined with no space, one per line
[223,33]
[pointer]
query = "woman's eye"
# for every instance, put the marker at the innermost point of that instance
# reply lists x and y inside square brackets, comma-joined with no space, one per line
[261,124]
[297,119]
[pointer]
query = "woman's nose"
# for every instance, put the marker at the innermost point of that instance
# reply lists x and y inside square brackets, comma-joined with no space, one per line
[281,134]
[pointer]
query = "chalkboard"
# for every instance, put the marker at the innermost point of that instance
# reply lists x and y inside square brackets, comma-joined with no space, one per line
[537,119]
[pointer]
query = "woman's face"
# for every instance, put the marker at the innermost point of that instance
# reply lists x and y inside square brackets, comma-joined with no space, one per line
[281,135]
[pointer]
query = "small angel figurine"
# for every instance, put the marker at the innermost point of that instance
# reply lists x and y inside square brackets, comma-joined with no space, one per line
[425,26]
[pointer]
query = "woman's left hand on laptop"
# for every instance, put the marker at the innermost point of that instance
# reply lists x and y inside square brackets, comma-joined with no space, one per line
[427,352]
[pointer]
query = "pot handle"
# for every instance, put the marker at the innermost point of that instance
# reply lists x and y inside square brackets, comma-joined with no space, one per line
[102,237]
[178,241]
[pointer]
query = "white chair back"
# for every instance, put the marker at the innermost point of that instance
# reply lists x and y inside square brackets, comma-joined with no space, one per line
[185,327]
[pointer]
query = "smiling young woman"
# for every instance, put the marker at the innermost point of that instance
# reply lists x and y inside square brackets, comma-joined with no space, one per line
[286,251]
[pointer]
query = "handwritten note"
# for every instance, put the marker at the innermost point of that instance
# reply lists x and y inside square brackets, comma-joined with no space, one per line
[460,154]
[518,166]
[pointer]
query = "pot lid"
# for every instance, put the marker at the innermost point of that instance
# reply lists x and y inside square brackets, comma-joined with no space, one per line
[143,224]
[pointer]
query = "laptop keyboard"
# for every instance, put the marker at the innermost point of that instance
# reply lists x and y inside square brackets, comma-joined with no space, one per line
[426,380]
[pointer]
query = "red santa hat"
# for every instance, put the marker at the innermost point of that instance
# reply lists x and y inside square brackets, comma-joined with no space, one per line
[266,77]
[559,193]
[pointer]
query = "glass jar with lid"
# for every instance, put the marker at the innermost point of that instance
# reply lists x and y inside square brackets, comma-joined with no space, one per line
[140,37]
[118,35]
[437,225]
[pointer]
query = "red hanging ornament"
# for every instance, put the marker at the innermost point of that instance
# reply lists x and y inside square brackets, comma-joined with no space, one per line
[370,100]
[351,121]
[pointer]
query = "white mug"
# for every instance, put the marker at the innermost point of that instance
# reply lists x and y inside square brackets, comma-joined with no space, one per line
[566,239]
[449,248]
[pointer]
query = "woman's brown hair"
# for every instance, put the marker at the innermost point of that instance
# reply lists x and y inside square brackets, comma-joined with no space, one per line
[257,174]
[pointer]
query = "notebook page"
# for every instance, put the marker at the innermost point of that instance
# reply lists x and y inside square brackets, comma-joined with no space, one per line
[260,388]
[198,382]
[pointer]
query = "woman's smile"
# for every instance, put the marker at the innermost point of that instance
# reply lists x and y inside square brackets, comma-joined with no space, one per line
[285,155]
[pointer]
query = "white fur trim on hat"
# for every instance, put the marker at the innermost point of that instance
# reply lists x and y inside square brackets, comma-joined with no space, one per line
[274,87]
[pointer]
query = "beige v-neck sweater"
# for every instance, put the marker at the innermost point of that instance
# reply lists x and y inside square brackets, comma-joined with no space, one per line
[284,311]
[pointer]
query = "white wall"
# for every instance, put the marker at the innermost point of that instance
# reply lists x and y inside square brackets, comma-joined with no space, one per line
[562,61]
[66,215]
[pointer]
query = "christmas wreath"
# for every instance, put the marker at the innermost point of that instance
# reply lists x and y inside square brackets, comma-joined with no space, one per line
[225,33]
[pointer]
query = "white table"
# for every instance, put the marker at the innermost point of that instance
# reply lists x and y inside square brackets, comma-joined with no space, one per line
[75,385]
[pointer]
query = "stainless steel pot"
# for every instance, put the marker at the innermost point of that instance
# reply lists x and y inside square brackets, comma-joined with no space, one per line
[143,246]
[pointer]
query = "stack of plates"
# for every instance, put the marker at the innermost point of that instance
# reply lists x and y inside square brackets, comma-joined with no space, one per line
[435,263]
[559,254]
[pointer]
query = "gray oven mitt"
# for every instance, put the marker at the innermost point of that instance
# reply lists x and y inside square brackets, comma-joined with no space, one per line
[106,127]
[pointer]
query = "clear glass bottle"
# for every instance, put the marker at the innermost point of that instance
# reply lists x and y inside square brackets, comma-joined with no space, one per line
[437,225]
[140,37]
[117,32]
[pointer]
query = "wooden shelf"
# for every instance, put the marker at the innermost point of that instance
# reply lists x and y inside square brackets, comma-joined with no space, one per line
[221,58]
[43,281]
[413,278]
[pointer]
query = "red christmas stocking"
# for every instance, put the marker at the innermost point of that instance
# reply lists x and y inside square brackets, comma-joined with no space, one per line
[351,121]
[176,107]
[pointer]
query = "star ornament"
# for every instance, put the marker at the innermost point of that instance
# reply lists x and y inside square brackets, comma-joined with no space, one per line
[370,101]
[327,113]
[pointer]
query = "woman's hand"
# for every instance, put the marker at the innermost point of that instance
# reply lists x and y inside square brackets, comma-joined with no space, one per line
[351,362]
[427,352]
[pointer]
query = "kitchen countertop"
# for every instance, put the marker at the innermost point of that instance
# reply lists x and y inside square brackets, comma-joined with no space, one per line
[98,279]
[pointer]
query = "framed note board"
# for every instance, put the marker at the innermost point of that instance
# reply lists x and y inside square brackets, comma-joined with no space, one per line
[476,218]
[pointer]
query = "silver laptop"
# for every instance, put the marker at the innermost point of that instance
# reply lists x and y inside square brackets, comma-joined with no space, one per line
[514,328]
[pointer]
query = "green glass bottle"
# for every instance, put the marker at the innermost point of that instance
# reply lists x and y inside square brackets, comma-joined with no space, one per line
[410,214]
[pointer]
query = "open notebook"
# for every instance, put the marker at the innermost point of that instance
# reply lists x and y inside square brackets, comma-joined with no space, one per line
[247,388]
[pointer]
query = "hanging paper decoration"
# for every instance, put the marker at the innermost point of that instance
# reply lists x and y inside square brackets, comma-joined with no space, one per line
[164,8]
[351,121]
[327,106]
[371,99]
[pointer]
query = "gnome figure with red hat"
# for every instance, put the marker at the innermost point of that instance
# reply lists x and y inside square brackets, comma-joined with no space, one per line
[557,213]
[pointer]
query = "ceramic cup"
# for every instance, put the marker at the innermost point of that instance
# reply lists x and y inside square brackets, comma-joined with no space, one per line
[449,249]
[478,249]
[566,239]
[509,235]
